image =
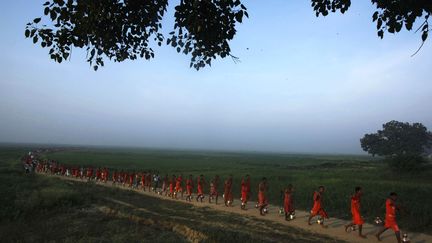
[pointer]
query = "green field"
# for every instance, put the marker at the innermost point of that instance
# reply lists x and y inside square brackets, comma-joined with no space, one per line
[339,173]
[37,208]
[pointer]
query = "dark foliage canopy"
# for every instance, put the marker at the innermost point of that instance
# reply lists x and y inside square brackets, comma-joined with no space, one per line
[398,139]
[127,29]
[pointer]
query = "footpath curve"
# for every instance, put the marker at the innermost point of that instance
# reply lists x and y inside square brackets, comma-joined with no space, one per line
[335,227]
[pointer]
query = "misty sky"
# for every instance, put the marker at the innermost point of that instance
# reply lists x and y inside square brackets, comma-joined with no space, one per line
[304,84]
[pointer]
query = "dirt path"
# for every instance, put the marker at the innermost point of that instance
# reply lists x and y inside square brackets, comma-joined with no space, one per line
[335,226]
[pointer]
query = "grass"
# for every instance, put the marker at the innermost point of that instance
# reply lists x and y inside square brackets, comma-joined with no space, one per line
[339,173]
[44,209]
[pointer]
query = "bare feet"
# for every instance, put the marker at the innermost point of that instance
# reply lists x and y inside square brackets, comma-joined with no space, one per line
[363,236]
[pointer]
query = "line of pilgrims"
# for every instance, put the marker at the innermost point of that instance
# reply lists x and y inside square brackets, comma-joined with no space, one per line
[177,186]
[172,186]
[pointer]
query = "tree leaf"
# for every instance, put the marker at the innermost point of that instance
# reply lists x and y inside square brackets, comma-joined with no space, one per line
[424,35]
[239,16]
[375,16]
[379,23]
[381,33]
[53,15]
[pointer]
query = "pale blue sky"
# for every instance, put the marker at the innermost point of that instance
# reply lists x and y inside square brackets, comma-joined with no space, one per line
[304,84]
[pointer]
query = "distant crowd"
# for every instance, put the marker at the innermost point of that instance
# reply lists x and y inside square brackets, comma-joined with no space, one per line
[178,187]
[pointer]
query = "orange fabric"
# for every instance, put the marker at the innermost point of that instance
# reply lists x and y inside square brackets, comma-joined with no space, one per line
[317,206]
[189,186]
[178,186]
[390,218]
[106,175]
[262,199]
[355,210]
[89,173]
[171,186]
[200,190]
[317,203]
[200,187]
[245,189]
[227,191]
[320,212]
[244,196]
[131,177]
[288,203]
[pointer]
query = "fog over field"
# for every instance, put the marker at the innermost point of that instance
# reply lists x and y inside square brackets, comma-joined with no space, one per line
[304,84]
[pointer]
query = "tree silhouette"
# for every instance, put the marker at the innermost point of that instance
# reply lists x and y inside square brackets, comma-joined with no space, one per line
[402,144]
[127,29]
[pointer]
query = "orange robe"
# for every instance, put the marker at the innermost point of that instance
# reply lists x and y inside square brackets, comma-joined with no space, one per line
[200,187]
[189,187]
[390,218]
[178,186]
[171,186]
[355,210]
[125,176]
[131,178]
[288,203]
[228,192]
[213,188]
[262,197]
[317,206]
[245,190]
[89,173]
[148,180]
[143,180]
[106,175]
